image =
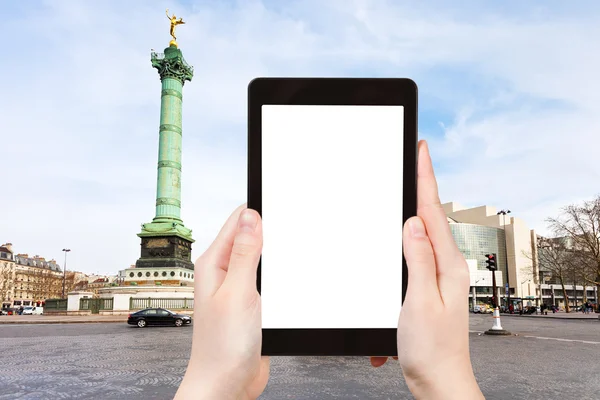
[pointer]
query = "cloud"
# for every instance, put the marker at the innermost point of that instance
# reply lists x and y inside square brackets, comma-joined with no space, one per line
[507,99]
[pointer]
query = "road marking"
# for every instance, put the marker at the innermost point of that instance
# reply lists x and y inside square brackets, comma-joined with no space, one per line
[550,338]
[562,340]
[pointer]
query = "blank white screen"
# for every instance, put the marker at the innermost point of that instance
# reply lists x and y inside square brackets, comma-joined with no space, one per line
[332,216]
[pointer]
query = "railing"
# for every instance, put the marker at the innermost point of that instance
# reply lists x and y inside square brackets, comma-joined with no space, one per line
[168,303]
[101,303]
[55,304]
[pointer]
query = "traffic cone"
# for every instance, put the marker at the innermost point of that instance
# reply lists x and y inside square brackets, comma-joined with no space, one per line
[497,327]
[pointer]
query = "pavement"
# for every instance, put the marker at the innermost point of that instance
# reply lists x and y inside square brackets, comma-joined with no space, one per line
[543,359]
[60,319]
[94,318]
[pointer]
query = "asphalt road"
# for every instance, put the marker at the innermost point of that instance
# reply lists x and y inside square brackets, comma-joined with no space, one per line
[549,359]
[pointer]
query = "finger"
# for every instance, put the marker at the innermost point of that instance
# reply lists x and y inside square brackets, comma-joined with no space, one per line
[433,215]
[245,253]
[378,361]
[211,267]
[420,261]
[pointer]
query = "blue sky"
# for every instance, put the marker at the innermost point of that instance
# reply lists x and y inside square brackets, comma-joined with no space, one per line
[509,97]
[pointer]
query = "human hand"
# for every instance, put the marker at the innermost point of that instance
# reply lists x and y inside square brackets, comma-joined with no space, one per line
[433,341]
[225,361]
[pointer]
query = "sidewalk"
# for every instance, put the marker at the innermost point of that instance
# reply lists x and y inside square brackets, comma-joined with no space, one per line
[558,315]
[60,319]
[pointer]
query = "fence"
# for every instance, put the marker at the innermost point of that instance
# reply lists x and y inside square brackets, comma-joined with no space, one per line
[168,303]
[55,304]
[95,305]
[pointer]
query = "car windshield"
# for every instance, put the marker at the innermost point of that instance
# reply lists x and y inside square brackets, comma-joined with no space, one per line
[169,311]
[28,308]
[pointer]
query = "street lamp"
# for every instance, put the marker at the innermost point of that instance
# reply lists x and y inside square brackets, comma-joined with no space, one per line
[503,213]
[65,271]
[522,291]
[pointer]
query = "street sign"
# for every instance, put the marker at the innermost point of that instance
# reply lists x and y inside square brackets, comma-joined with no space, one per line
[506,288]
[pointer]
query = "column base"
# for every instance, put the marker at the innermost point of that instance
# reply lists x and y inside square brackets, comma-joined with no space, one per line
[497,332]
[166,228]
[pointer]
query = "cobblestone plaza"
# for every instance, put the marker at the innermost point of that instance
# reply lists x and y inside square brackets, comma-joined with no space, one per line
[550,359]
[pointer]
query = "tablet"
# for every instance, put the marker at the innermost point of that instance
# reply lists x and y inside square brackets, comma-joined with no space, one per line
[332,172]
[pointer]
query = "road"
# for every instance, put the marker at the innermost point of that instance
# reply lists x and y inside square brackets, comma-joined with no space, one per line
[550,359]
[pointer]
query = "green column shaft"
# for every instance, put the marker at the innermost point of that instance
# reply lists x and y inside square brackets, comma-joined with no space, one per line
[168,188]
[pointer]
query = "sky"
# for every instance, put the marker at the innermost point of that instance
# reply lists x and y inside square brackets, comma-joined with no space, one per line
[508,100]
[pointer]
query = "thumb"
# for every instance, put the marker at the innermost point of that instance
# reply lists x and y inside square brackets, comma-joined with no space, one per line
[422,275]
[245,253]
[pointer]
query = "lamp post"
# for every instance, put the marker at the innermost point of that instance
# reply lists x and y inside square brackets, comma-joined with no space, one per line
[503,213]
[523,292]
[65,271]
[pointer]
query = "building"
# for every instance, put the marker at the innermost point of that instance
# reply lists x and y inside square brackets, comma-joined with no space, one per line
[7,275]
[26,280]
[482,230]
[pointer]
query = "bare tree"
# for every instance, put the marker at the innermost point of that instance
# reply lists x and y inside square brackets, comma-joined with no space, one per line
[6,280]
[581,225]
[44,284]
[555,257]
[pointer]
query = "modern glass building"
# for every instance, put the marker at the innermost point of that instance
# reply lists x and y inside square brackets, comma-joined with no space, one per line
[475,241]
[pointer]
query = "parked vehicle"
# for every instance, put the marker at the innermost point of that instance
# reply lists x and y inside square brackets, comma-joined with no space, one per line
[37,310]
[158,316]
[483,309]
[27,310]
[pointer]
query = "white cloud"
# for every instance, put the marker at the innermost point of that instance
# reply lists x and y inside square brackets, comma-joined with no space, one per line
[80,107]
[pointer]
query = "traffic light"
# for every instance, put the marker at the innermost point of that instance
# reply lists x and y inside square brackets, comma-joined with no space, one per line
[490,262]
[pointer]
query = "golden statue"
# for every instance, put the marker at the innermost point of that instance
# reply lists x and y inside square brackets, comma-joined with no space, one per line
[174,23]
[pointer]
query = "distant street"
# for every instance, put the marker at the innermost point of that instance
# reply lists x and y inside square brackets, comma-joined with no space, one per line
[550,359]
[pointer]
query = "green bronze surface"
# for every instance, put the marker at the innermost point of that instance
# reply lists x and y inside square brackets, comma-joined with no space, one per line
[174,71]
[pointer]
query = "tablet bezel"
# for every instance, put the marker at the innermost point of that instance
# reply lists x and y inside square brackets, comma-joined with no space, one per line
[332,91]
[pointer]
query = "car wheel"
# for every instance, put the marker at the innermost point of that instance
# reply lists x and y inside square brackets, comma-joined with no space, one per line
[141,323]
[178,322]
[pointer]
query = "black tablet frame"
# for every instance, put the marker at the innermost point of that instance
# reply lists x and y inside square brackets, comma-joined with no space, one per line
[332,91]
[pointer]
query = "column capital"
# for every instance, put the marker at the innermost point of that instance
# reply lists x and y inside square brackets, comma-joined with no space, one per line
[171,64]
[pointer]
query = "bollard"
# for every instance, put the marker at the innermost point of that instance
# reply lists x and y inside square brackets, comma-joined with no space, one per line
[497,327]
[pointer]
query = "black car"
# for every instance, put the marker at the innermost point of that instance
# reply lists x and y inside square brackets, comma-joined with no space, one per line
[158,316]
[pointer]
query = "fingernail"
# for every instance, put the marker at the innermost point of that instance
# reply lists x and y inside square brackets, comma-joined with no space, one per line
[248,221]
[416,227]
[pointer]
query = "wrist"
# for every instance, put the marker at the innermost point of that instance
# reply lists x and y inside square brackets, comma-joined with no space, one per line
[199,384]
[445,384]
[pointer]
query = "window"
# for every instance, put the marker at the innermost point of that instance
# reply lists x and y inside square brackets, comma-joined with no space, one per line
[150,312]
[139,274]
[163,313]
[192,276]
[156,274]
[147,273]
[172,273]
[131,274]
[180,274]
[164,273]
